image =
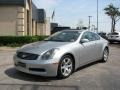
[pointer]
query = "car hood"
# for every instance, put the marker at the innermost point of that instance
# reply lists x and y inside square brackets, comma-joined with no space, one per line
[40,47]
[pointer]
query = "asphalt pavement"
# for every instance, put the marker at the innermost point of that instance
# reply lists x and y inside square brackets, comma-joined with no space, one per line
[95,76]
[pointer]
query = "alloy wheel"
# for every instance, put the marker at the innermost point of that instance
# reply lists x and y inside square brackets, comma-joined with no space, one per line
[66,67]
[105,56]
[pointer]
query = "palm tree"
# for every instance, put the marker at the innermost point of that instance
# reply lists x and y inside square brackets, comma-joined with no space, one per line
[114,13]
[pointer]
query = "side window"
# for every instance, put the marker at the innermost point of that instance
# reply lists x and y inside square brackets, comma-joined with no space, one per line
[95,36]
[90,36]
[85,36]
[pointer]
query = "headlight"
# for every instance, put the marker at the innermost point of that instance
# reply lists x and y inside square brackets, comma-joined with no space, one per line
[49,54]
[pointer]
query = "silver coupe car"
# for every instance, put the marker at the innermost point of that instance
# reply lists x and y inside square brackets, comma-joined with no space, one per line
[62,53]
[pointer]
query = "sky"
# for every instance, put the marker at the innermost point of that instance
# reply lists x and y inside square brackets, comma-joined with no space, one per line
[71,12]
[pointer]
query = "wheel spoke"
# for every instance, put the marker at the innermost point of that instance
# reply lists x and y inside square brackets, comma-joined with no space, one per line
[67,61]
[65,73]
[68,71]
[69,66]
[63,67]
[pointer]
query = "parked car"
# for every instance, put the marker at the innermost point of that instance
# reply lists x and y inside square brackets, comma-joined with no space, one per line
[103,35]
[114,37]
[62,53]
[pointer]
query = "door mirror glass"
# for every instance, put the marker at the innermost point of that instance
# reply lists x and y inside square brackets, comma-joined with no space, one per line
[84,40]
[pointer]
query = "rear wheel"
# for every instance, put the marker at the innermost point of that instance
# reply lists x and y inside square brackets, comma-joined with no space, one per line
[65,68]
[105,55]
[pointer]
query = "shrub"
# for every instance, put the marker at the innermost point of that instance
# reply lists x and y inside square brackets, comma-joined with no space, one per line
[19,40]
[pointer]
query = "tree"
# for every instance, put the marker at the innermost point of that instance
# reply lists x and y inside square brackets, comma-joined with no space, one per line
[114,14]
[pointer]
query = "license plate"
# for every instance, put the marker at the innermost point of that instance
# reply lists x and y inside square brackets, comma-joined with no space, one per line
[21,64]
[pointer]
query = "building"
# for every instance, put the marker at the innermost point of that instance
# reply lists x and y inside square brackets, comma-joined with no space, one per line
[21,17]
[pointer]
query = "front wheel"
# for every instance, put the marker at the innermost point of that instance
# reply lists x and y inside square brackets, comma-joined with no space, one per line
[105,55]
[65,68]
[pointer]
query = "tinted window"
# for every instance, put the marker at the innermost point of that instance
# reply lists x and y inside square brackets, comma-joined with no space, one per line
[87,35]
[90,36]
[97,37]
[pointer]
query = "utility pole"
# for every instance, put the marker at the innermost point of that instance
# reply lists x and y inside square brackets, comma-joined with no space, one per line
[89,21]
[97,17]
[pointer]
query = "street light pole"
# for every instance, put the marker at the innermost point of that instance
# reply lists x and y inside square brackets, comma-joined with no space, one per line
[97,17]
[89,21]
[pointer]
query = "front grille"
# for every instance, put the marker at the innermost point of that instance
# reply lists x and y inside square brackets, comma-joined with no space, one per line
[27,56]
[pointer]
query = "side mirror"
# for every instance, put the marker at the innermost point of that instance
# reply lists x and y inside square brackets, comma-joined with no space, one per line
[84,40]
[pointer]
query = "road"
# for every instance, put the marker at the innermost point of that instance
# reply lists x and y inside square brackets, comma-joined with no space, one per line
[95,76]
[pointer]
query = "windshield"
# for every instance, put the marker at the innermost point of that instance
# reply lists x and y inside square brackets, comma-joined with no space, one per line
[64,36]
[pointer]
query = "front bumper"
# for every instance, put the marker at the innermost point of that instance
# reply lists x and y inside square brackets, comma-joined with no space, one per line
[36,67]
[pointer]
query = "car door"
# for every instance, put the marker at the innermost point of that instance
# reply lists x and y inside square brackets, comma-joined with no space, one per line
[98,46]
[87,49]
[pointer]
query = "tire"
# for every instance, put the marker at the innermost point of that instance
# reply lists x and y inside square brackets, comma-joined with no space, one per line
[65,68]
[105,55]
